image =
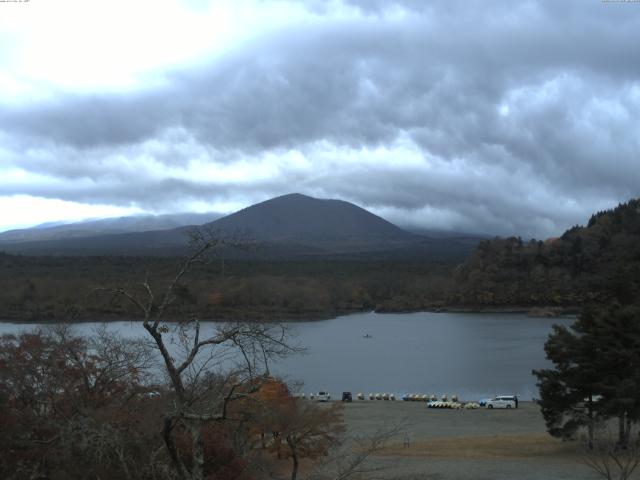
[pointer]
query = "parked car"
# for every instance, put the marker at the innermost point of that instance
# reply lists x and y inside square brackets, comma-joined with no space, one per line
[323,396]
[347,397]
[503,401]
[483,402]
[514,398]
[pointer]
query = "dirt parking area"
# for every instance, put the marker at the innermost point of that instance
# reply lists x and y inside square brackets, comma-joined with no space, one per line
[467,444]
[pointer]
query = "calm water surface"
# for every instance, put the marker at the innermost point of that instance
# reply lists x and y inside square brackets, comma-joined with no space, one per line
[470,354]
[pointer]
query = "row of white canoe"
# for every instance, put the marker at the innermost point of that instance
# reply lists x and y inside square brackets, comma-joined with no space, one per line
[410,397]
[418,397]
[377,396]
[454,405]
[431,400]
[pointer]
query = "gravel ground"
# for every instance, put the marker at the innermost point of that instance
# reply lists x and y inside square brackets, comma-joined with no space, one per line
[467,444]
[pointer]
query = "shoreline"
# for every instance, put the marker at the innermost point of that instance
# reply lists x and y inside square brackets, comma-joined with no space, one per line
[534,312]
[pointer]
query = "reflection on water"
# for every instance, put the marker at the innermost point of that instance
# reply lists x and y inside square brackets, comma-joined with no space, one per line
[469,354]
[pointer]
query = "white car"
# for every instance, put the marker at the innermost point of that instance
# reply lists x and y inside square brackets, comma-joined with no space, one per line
[505,401]
[323,396]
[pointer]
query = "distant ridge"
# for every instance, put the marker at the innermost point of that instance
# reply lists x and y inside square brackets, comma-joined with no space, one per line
[104,226]
[289,226]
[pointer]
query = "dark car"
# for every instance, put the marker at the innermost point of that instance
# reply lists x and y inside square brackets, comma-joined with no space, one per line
[347,397]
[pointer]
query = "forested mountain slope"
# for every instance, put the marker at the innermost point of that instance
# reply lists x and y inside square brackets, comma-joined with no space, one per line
[596,262]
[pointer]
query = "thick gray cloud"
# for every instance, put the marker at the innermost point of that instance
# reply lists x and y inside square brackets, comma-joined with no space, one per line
[500,117]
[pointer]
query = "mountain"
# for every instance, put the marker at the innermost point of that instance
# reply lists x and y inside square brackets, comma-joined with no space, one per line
[299,219]
[290,226]
[105,226]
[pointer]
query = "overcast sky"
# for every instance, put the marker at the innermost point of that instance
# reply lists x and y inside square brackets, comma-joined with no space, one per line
[502,117]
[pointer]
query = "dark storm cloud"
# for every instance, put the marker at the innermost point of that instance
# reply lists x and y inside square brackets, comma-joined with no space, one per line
[523,112]
[89,121]
[157,196]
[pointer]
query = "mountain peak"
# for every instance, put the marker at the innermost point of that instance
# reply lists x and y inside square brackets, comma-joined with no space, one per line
[295,197]
[298,218]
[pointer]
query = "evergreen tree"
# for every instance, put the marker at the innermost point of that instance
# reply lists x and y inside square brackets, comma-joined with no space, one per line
[568,392]
[596,372]
[617,330]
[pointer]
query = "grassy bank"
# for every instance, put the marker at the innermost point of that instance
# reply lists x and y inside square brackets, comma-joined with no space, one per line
[467,444]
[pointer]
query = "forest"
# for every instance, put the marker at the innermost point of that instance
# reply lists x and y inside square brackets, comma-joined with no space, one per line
[595,263]
[47,289]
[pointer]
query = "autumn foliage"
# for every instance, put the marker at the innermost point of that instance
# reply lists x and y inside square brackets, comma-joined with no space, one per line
[74,408]
[296,428]
[77,408]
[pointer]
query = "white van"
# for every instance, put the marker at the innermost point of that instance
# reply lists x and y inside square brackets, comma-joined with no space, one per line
[503,401]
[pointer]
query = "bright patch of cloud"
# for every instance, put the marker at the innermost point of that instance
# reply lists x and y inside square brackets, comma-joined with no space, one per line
[120,45]
[19,211]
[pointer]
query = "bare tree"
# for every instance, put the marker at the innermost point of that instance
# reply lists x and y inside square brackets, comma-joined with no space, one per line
[307,430]
[355,462]
[205,372]
[610,460]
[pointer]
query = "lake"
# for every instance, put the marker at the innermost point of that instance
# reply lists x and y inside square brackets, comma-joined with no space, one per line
[473,355]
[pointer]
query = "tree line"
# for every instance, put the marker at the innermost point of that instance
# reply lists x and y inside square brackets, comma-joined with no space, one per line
[53,289]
